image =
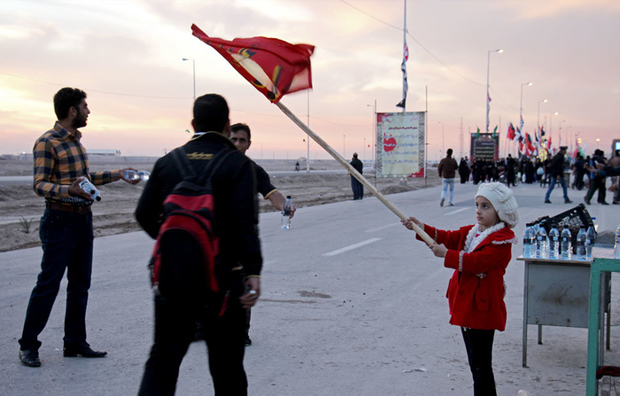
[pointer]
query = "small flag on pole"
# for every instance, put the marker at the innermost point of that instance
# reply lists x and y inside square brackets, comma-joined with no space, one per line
[403,67]
[273,66]
[511,133]
[521,122]
[494,132]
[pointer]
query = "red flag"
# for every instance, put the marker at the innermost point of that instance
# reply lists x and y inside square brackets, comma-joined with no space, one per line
[511,132]
[273,66]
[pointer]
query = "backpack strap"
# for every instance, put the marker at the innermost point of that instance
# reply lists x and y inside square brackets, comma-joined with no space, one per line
[185,167]
[214,164]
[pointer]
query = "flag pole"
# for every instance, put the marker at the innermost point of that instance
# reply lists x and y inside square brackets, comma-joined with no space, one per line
[353,172]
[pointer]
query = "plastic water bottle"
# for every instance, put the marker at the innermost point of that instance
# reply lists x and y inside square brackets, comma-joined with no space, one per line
[617,244]
[131,174]
[527,242]
[581,243]
[554,243]
[89,188]
[566,244]
[542,243]
[590,238]
[287,208]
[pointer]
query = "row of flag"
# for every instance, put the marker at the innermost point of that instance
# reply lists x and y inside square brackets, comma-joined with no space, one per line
[531,146]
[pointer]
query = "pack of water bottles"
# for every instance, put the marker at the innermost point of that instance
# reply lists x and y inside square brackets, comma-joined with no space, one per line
[569,235]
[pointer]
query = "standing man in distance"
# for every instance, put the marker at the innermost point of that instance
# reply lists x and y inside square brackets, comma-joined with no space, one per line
[447,170]
[555,170]
[66,230]
[241,137]
[356,186]
[182,299]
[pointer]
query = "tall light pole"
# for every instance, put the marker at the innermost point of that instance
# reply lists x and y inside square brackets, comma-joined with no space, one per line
[373,139]
[551,125]
[538,119]
[443,138]
[488,69]
[529,84]
[308,138]
[194,74]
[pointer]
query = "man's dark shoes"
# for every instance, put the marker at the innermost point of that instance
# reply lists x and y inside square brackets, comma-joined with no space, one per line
[586,200]
[248,341]
[604,203]
[568,201]
[82,351]
[29,357]
[547,201]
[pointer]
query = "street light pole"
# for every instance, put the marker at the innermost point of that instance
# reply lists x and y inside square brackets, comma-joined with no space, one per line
[538,119]
[194,74]
[488,70]
[529,84]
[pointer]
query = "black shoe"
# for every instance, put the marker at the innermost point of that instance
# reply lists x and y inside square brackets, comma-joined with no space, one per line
[568,201]
[451,204]
[441,202]
[82,351]
[586,200]
[29,357]
[604,203]
[248,342]
[547,201]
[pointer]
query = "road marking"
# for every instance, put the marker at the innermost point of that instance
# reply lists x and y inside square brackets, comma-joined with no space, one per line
[351,247]
[456,211]
[382,228]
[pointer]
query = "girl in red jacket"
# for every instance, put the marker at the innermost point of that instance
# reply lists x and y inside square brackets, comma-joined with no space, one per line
[479,255]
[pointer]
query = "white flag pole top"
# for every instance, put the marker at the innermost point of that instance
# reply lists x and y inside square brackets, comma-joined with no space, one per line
[354,172]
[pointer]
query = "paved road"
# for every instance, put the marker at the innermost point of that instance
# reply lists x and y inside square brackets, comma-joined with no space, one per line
[352,305]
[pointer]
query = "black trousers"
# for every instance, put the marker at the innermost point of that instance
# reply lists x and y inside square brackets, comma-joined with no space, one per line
[479,345]
[180,304]
[597,183]
[67,241]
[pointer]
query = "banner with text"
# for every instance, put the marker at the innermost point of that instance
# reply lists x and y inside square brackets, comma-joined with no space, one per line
[400,144]
[484,146]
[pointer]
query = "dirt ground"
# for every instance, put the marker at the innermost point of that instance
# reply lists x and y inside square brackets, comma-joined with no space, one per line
[21,209]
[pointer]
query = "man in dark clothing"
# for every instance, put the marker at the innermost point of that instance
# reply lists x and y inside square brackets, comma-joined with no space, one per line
[510,171]
[241,136]
[597,182]
[181,301]
[356,186]
[579,171]
[447,170]
[464,170]
[556,171]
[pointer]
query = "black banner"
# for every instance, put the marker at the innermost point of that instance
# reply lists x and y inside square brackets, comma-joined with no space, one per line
[484,146]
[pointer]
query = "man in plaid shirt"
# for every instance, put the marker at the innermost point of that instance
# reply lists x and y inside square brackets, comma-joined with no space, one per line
[66,231]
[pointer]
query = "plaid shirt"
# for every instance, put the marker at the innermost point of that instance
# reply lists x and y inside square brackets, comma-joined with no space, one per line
[60,159]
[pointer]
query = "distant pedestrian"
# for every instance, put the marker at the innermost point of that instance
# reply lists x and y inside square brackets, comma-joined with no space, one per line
[555,170]
[511,164]
[597,182]
[297,166]
[464,170]
[479,255]
[578,168]
[356,186]
[447,171]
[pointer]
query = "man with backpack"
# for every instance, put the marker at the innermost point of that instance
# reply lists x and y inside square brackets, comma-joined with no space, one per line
[200,205]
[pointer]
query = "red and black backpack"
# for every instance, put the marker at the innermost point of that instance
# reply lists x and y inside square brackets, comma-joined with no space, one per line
[189,209]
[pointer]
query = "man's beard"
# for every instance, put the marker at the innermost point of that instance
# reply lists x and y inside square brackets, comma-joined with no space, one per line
[79,121]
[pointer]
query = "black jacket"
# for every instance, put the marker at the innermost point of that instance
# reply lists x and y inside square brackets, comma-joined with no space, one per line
[234,191]
[357,165]
[556,167]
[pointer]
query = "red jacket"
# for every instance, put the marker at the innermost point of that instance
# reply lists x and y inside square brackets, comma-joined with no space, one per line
[476,298]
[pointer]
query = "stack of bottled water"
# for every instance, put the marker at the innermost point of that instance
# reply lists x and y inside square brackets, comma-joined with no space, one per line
[558,244]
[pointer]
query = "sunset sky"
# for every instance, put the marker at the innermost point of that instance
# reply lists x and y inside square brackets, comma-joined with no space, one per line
[127,55]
